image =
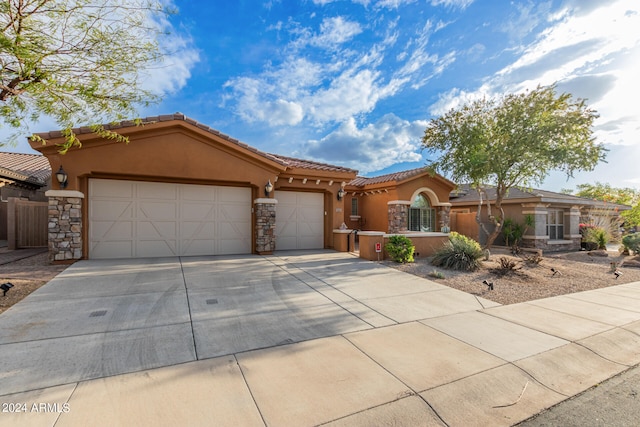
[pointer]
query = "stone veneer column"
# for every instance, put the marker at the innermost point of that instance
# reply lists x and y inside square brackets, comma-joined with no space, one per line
[445,218]
[398,214]
[65,225]
[265,211]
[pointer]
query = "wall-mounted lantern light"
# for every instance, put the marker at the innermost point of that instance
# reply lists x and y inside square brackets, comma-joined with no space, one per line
[62,176]
[268,188]
[341,193]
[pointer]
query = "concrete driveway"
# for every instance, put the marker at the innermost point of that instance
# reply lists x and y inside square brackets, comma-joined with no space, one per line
[108,317]
[299,339]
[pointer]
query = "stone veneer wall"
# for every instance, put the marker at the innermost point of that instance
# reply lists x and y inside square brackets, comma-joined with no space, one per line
[398,214]
[265,211]
[65,225]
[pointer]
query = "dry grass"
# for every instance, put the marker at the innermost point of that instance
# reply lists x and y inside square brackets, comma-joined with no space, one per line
[576,272]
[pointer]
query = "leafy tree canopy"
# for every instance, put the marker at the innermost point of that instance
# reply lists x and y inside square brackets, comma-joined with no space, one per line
[513,141]
[607,193]
[76,61]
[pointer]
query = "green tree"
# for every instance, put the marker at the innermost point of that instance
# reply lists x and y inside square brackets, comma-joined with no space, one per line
[623,196]
[607,193]
[513,141]
[76,61]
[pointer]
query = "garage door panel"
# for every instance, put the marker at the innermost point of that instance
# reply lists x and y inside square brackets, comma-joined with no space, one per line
[112,209]
[196,193]
[232,196]
[157,211]
[299,220]
[164,219]
[156,190]
[111,189]
[121,249]
[157,230]
[197,211]
[197,230]
[111,230]
[157,248]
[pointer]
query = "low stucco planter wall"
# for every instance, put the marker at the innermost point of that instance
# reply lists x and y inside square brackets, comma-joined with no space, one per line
[426,243]
[344,240]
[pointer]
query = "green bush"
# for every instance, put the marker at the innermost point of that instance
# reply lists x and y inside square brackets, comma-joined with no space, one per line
[632,242]
[597,235]
[400,248]
[459,253]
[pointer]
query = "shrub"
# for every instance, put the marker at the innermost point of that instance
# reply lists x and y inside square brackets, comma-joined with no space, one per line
[436,274]
[507,264]
[459,253]
[513,231]
[597,235]
[632,242]
[400,248]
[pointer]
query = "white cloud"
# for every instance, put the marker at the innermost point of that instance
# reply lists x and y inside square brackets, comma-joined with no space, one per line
[334,31]
[373,147]
[594,52]
[180,56]
[459,4]
[285,113]
[349,94]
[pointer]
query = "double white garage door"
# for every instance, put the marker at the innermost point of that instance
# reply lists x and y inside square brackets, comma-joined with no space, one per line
[134,219]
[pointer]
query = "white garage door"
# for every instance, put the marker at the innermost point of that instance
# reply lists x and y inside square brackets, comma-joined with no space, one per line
[299,220]
[131,219]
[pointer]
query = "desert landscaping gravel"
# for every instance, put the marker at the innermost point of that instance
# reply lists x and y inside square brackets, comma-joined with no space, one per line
[572,272]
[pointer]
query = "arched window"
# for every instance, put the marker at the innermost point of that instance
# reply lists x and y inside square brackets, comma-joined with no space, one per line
[422,217]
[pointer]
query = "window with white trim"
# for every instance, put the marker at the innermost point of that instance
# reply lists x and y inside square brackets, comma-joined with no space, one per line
[354,206]
[555,224]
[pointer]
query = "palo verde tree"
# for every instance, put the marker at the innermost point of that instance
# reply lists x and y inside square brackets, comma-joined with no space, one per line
[76,61]
[513,141]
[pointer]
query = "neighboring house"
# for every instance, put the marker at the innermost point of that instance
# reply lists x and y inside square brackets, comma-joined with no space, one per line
[182,188]
[557,217]
[24,177]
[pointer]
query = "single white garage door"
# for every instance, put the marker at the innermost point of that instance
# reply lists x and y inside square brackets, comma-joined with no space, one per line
[299,220]
[132,219]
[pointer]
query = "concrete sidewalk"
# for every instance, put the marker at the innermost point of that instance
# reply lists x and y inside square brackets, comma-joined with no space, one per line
[320,338]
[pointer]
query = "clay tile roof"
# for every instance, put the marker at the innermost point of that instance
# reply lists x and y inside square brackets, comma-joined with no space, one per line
[282,160]
[308,164]
[396,176]
[165,118]
[33,168]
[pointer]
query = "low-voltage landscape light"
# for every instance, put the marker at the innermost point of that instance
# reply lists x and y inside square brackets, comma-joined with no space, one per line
[5,288]
[489,284]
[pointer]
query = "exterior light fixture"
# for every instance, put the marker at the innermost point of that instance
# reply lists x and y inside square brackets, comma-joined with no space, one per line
[62,176]
[268,188]
[341,193]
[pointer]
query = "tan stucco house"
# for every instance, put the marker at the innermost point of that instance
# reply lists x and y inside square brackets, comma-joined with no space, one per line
[556,216]
[182,188]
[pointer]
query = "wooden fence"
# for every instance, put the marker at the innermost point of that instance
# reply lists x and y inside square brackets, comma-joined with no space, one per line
[27,224]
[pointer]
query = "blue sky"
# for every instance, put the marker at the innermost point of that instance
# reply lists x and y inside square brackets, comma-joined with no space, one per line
[355,82]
